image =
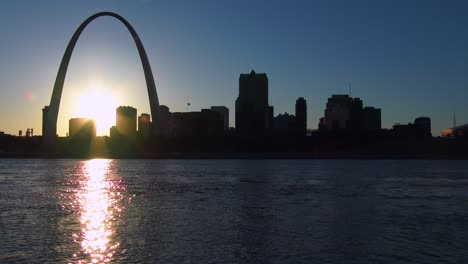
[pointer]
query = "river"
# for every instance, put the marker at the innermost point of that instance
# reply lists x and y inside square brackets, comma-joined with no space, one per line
[233,211]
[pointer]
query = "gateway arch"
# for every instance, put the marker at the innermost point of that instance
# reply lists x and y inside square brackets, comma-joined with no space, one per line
[50,113]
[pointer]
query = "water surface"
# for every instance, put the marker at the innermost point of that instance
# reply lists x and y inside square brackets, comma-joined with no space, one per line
[233,211]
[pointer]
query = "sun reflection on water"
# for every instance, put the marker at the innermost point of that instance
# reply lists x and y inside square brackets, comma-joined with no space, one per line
[98,201]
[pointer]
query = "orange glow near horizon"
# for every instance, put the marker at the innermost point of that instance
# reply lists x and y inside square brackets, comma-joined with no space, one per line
[98,105]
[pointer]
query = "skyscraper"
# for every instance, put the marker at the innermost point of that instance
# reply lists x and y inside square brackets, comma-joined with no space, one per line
[301,116]
[371,118]
[343,112]
[338,112]
[252,111]
[126,121]
[49,128]
[81,129]
[144,126]
[423,125]
[224,113]
[166,124]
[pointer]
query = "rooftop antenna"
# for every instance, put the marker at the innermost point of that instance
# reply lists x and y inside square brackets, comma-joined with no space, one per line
[349,89]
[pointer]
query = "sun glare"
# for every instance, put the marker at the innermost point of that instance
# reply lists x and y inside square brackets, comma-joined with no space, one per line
[98,200]
[98,105]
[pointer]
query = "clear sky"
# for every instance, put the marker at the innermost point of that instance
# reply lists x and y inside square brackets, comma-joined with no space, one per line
[409,58]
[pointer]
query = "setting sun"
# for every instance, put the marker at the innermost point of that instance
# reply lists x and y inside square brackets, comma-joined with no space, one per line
[98,105]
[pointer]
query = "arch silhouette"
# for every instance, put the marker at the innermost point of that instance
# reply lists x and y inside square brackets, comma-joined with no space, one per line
[50,114]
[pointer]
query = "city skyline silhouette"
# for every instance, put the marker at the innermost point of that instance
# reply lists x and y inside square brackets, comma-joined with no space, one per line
[103,58]
[220,131]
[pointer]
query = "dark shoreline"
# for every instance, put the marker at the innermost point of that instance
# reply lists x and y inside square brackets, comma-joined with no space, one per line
[339,148]
[245,156]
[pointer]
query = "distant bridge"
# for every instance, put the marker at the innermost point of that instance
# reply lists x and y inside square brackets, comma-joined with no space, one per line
[50,113]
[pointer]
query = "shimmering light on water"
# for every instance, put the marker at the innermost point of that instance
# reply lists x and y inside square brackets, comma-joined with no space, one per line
[233,211]
[98,207]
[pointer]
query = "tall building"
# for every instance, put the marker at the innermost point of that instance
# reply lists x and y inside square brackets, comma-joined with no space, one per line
[126,121]
[423,125]
[345,112]
[371,118]
[356,109]
[253,115]
[144,126]
[47,125]
[81,129]
[165,121]
[321,126]
[338,112]
[301,116]
[224,113]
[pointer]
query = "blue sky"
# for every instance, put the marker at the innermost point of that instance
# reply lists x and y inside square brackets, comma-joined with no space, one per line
[409,58]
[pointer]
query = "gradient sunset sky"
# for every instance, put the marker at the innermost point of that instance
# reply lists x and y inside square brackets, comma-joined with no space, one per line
[409,58]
